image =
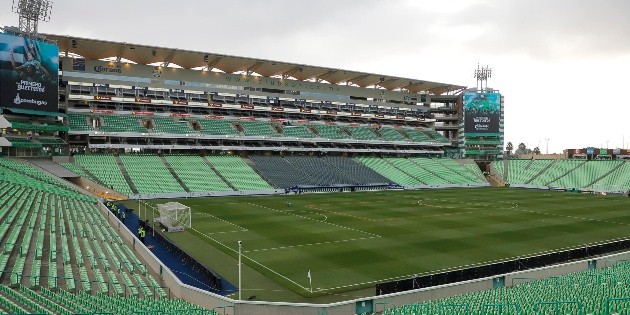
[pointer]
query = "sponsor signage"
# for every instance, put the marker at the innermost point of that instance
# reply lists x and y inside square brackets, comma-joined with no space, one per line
[143,100]
[102,111]
[247,106]
[277,109]
[102,98]
[305,110]
[29,74]
[176,102]
[482,112]
[143,113]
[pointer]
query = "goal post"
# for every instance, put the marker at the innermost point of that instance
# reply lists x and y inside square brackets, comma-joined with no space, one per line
[174,216]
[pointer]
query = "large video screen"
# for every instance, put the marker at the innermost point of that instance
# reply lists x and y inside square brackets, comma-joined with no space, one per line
[482,112]
[28,74]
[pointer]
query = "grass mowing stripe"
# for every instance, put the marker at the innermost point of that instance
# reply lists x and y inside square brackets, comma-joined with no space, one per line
[419,232]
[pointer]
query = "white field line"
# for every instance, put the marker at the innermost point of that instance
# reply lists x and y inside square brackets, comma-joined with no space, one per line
[514,207]
[305,217]
[228,222]
[257,263]
[311,244]
[306,211]
[224,232]
[341,214]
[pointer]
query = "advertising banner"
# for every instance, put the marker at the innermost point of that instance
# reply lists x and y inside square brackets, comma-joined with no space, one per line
[28,74]
[482,112]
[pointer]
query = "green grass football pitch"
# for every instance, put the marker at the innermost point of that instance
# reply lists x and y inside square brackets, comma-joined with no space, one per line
[352,241]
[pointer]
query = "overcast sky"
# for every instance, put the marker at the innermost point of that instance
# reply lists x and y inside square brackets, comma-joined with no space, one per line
[562,65]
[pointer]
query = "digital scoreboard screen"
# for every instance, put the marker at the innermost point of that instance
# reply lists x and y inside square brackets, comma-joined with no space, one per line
[482,112]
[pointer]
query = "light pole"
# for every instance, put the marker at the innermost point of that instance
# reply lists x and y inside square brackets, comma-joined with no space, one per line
[240,286]
[547,146]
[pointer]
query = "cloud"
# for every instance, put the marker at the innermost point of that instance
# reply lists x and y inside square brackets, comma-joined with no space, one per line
[548,29]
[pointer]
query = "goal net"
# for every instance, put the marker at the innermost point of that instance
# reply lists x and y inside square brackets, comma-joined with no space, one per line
[174,216]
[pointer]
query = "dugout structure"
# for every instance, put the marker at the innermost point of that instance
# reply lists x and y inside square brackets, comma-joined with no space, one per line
[174,216]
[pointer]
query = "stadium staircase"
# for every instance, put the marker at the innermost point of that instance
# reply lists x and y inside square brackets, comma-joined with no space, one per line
[280,173]
[387,170]
[407,167]
[570,169]
[82,171]
[355,170]
[585,174]
[238,173]
[205,160]
[390,134]
[51,167]
[618,181]
[170,169]
[506,169]
[123,171]
[57,172]
[543,171]
[323,173]
[150,175]
[472,166]
[423,165]
[614,169]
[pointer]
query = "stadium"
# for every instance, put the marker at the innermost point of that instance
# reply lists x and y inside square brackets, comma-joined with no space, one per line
[150,180]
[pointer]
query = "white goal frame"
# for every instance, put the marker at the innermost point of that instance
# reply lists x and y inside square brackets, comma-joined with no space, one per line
[174,216]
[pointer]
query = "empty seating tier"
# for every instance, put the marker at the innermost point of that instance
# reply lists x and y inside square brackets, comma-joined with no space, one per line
[217,127]
[390,171]
[79,122]
[280,173]
[597,291]
[417,135]
[330,132]
[150,175]
[238,173]
[297,132]
[170,125]
[316,168]
[391,134]
[66,257]
[362,133]
[579,174]
[121,123]
[106,170]
[436,136]
[360,173]
[196,174]
[258,129]
[618,180]
[559,168]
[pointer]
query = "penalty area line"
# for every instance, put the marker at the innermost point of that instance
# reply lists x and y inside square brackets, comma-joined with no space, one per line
[311,244]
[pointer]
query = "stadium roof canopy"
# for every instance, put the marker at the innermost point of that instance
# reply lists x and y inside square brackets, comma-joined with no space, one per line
[95,49]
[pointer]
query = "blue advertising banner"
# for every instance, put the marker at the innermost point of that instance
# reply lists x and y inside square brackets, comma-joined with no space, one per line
[29,71]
